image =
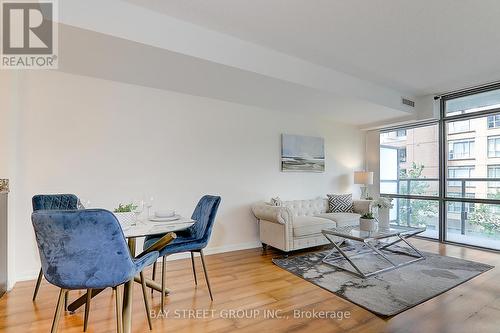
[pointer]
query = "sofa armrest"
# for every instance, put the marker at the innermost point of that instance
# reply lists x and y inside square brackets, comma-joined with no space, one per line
[361,206]
[276,214]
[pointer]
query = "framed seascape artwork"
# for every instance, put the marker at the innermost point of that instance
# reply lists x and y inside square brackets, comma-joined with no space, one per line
[302,153]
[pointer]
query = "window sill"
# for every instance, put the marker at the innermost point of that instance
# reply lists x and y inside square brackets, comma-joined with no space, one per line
[464,132]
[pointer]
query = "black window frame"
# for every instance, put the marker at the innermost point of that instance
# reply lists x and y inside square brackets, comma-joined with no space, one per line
[444,198]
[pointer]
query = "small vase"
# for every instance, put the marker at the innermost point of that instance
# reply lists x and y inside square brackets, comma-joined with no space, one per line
[367,224]
[383,218]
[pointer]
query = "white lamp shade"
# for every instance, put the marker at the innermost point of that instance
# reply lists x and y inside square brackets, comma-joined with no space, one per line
[363,177]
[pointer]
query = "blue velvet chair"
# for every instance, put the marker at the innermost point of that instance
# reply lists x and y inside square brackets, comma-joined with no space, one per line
[85,249]
[194,239]
[53,202]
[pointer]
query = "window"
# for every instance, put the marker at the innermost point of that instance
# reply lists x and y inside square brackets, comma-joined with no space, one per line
[465,206]
[494,146]
[457,207]
[402,155]
[399,135]
[494,172]
[477,227]
[410,169]
[458,126]
[460,149]
[487,100]
[459,172]
[475,219]
[417,213]
[494,121]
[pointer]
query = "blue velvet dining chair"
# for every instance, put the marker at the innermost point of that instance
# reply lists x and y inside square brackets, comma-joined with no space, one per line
[85,249]
[52,202]
[192,240]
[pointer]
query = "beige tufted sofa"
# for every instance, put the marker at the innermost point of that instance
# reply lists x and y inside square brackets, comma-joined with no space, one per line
[297,224]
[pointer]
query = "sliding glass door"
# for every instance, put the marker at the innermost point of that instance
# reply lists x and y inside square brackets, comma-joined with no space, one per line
[446,175]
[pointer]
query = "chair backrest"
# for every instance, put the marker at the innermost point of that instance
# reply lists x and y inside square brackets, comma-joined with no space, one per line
[81,249]
[204,214]
[54,202]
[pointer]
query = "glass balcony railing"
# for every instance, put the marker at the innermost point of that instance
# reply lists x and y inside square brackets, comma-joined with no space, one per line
[472,207]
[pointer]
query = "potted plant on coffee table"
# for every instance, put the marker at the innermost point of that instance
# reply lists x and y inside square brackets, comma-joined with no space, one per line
[367,222]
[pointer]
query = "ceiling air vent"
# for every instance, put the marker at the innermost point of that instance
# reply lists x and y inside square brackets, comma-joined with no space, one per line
[408,102]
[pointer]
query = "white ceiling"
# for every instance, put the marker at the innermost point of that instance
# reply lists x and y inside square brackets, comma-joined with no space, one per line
[422,47]
[110,58]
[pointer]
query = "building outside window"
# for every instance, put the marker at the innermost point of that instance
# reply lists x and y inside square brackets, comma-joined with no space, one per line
[459,172]
[402,155]
[494,121]
[401,133]
[494,146]
[459,126]
[461,149]
[494,172]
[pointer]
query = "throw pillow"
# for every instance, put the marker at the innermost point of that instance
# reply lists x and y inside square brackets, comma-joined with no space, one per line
[340,203]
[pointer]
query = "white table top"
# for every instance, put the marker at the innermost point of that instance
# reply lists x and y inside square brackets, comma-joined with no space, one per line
[145,227]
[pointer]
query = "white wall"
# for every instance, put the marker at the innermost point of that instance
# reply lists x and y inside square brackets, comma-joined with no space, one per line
[110,142]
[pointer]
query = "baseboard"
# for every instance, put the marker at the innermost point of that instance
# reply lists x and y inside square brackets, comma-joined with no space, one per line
[27,276]
[10,285]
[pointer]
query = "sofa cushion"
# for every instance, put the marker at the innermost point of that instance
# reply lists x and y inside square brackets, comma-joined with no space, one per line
[309,225]
[341,219]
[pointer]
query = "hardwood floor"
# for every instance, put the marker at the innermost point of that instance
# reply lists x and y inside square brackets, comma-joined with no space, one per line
[247,280]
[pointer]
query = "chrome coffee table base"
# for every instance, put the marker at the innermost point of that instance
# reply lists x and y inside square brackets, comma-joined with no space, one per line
[377,247]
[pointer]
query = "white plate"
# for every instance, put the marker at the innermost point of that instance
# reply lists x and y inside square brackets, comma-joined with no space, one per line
[164,219]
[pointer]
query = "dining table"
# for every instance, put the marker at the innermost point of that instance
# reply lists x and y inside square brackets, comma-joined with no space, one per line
[141,228]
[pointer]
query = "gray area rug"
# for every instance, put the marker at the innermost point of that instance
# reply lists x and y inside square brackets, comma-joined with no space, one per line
[389,293]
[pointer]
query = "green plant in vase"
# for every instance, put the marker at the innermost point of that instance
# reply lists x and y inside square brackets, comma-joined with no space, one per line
[128,208]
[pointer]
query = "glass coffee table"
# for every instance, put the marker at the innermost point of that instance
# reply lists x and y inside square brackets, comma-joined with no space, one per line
[373,242]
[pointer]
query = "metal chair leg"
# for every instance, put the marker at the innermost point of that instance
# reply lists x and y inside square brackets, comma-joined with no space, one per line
[163,282]
[146,302]
[59,309]
[118,302]
[194,269]
[153,276]
[87,310]
[206,274]
[38,282]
